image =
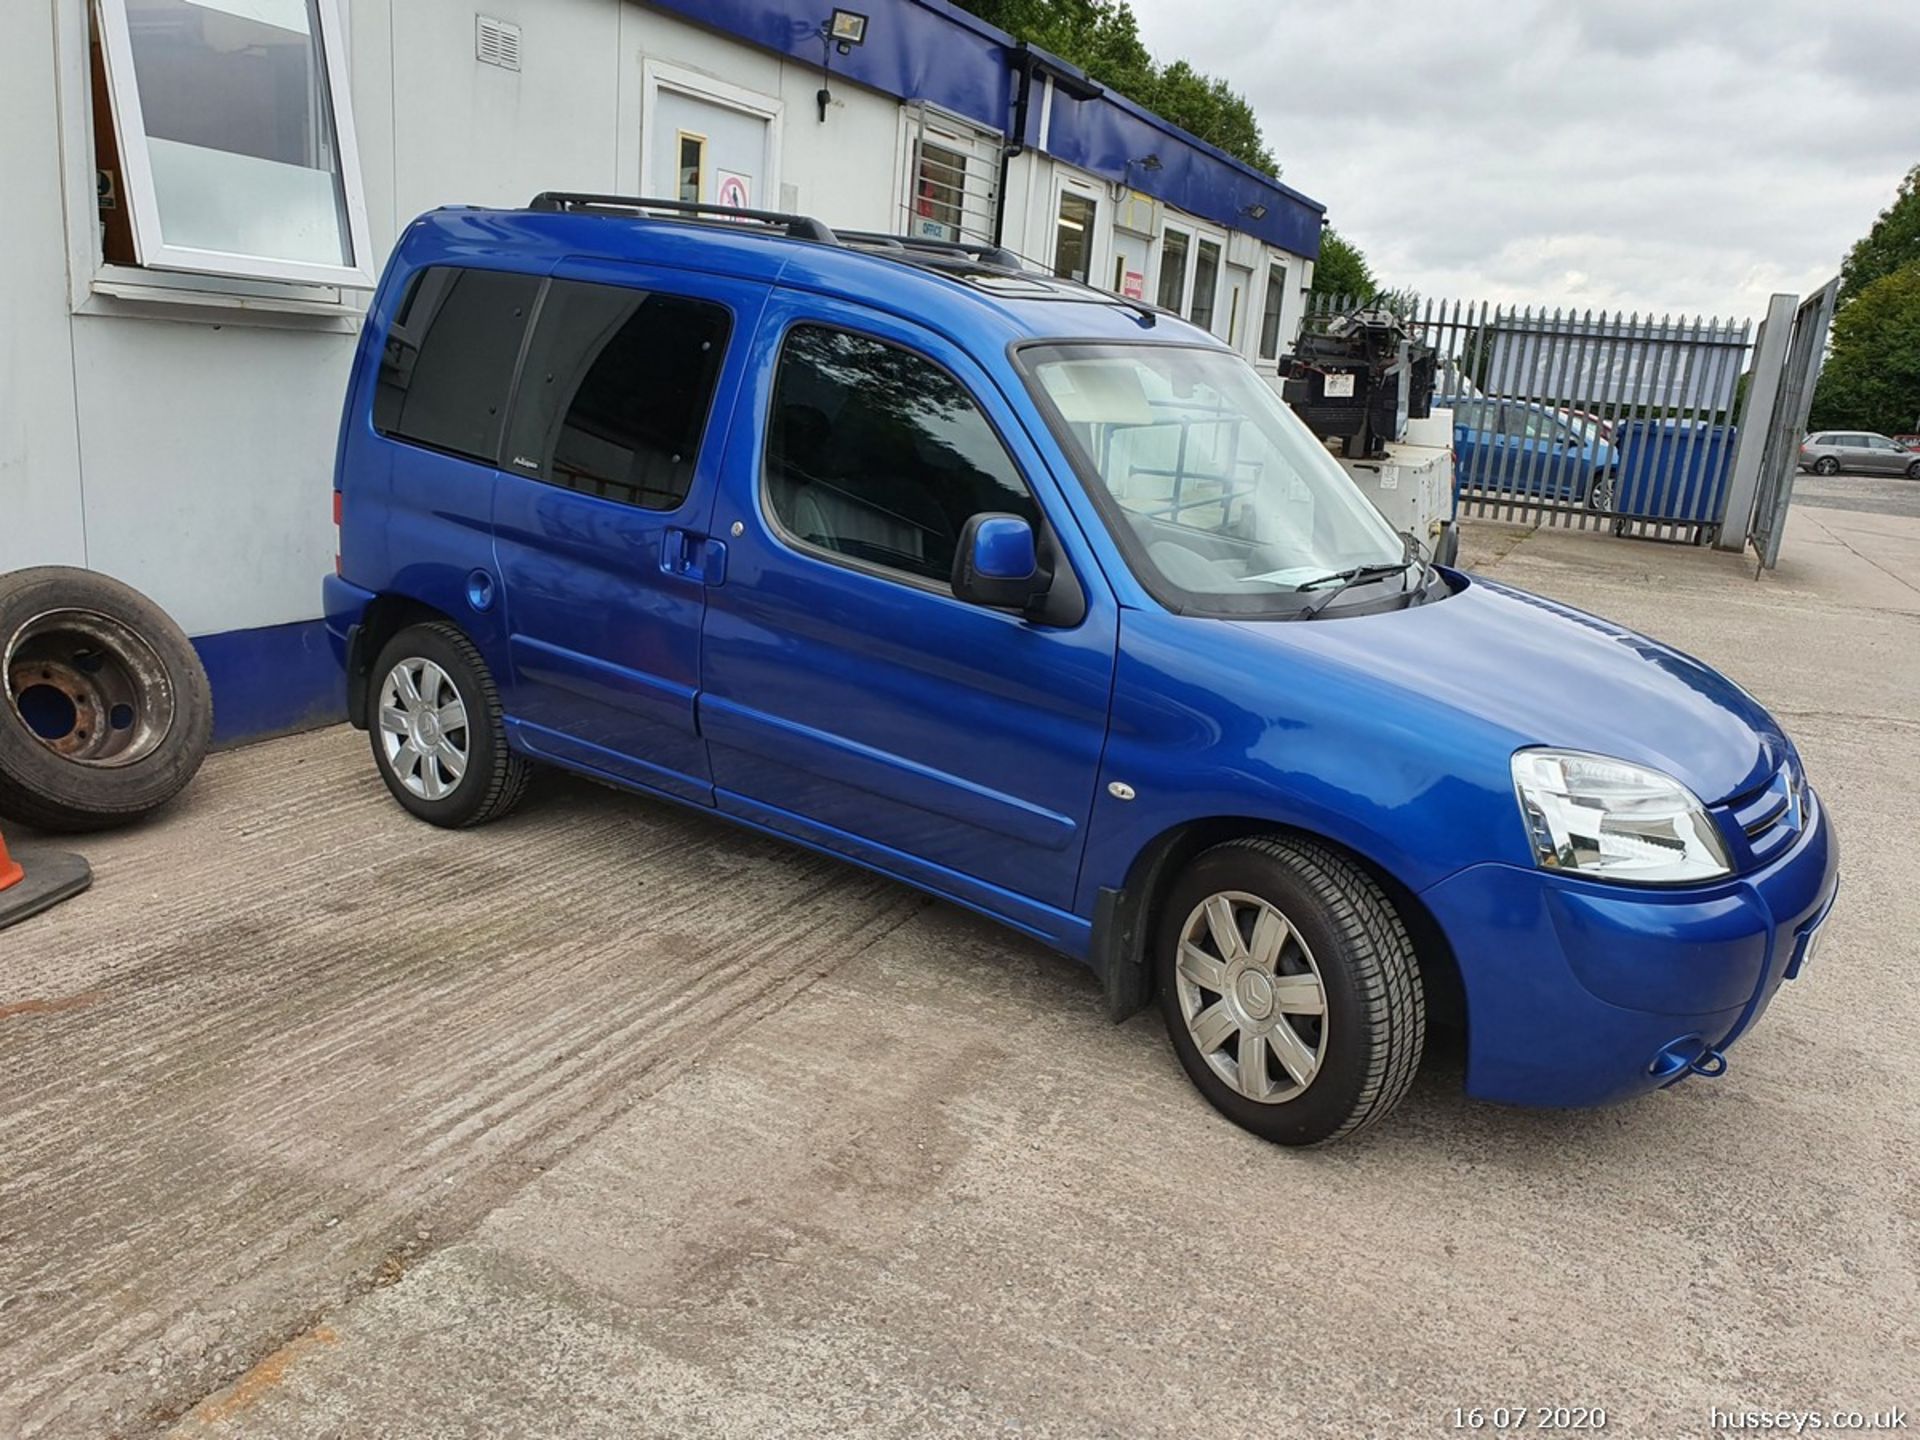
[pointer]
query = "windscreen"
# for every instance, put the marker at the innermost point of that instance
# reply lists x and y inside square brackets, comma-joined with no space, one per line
[1221,498]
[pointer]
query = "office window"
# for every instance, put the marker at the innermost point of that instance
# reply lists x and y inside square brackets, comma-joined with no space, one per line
[1173,268]
[1270,313]
[879,455]
[231,133]
[1073,236]
[692,166]
[939,192]
[449,358]
[1206,283]
[615,391]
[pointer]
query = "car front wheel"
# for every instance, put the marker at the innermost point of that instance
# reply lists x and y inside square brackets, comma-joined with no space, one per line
[1290,989]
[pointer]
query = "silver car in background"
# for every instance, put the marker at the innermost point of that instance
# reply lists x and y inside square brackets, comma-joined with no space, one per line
[1831,451]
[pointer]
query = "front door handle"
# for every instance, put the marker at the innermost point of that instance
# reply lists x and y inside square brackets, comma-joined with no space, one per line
[693,557]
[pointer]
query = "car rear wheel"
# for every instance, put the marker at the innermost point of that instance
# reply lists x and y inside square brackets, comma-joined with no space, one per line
[1290,989]
[1826,465]
[439,736]
[1913,470]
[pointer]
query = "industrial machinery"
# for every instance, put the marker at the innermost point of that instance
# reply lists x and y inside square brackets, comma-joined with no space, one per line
[1359,381]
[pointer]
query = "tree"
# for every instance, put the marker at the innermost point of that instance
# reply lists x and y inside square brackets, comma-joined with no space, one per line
[1871,380]
[1102,37]
[1893,241]
[1342,271]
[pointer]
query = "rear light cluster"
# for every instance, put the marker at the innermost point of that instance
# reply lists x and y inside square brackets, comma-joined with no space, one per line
[337,497]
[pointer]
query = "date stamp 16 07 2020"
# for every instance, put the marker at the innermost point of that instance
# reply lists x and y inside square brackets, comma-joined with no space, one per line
[1513,1418]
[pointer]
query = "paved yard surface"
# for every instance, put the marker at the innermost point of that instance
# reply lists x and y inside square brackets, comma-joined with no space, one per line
[611,1121]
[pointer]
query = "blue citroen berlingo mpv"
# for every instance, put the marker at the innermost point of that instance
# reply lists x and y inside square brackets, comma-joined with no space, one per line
[1039,598]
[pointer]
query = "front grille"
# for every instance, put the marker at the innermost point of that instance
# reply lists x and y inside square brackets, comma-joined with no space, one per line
[1769,818]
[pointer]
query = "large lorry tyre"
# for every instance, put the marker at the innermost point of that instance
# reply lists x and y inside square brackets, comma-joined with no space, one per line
[108,713]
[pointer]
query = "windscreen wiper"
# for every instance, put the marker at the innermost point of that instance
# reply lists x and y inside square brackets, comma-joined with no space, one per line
[1349,578]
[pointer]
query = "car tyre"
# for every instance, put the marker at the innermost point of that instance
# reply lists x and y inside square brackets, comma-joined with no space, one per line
[1601,490]
[1290,988]
[1913,471]
[438,732]
[1826,465]
[105,708]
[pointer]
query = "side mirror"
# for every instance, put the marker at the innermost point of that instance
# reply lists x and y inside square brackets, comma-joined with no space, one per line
[996,563]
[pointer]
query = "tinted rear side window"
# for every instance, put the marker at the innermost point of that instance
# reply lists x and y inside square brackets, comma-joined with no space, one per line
[878,454]
[615,392]
[449,358]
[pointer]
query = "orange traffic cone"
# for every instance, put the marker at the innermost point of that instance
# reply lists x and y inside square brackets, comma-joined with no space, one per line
[36,879]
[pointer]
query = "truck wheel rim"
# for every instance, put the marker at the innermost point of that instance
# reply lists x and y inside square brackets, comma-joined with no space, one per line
[1251,995]
[89,688]
[423,729]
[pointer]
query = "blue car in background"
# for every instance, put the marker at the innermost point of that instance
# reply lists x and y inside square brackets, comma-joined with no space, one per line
[1041,600]
[1520,447]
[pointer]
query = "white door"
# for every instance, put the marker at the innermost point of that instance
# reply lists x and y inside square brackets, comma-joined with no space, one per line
[706,141]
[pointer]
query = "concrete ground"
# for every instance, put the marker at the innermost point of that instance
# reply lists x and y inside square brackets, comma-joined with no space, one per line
[612,1121]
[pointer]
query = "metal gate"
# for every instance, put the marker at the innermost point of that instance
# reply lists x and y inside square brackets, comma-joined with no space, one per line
[1584,419]
[1791,345]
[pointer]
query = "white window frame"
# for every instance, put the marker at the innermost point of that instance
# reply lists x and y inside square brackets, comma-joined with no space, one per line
[658,75]
[1218,239]
[978,145]
[1273,261]
[1185,227]
[1099,246]
[142,199]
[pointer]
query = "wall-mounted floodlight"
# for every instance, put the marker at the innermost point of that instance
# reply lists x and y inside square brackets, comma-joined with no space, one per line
[840,31]
[1255,211]
[1145,162]
[847,29]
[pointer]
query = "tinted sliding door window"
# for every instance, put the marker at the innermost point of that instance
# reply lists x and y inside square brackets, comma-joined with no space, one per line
[879,455]
[449,357]
[615,392]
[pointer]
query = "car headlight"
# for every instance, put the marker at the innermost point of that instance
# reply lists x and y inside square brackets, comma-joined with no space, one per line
[1611,820]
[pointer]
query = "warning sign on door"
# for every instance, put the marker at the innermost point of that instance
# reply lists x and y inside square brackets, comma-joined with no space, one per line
[732,188]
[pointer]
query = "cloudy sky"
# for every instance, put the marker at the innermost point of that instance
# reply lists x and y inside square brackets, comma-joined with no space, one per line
[1675,155]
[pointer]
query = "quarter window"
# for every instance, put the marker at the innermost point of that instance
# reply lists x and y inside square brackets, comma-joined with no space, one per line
[1271,310]
[615,390]
[232,131]
[877,454]
[448,360]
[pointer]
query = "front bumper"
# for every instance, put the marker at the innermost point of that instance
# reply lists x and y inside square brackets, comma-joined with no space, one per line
[1583,993]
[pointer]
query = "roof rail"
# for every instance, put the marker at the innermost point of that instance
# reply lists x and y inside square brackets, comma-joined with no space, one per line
[799,227]
[993,257]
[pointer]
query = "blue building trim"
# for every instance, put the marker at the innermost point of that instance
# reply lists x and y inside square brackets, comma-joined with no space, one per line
[272,681]
[931,50]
